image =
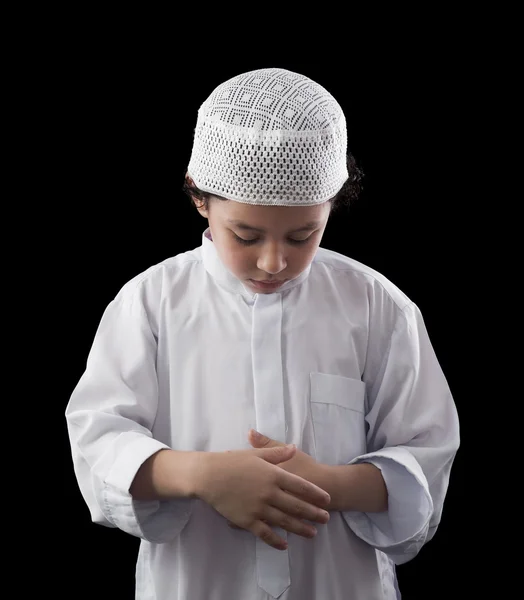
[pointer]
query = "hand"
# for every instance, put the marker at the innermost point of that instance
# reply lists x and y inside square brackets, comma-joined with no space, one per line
[300,464]
[250,491]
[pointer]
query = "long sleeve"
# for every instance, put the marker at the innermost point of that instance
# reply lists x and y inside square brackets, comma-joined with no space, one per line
[413,437]
[109,418]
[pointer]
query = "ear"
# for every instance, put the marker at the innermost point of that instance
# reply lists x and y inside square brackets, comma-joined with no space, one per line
[201,208]
[198,203]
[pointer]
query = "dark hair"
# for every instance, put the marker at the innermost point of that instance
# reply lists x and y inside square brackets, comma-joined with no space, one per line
[349,192]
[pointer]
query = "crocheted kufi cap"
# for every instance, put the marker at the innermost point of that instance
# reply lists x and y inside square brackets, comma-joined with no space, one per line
[270,137]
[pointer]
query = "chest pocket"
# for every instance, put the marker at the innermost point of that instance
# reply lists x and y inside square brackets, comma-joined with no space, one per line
[337,413]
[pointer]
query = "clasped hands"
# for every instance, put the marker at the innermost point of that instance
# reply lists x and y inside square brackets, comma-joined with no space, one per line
[301,464]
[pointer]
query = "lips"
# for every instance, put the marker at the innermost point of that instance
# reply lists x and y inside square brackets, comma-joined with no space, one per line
[267,285]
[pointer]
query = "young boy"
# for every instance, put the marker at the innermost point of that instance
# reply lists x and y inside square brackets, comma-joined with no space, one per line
[261,329]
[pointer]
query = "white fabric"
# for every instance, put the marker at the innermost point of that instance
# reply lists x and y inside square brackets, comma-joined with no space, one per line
[270,137]
[338,362]
[268,383]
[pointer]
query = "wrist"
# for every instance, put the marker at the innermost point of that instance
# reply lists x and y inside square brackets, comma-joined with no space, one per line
[166,475]
[357,487]
[323,477]
[198,468]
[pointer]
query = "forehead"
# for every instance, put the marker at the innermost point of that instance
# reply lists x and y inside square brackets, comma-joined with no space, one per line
[271,218]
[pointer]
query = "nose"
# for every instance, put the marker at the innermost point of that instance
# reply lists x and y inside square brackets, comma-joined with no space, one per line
[271,259]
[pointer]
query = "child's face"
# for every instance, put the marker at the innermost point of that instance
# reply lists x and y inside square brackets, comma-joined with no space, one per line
[283,248]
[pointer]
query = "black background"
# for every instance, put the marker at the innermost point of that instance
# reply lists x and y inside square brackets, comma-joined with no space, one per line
[127,109]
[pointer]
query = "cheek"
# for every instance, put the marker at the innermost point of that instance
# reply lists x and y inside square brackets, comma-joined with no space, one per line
[240,259]
[302,257]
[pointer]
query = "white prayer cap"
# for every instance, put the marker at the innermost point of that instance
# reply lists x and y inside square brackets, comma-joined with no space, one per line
[270,137]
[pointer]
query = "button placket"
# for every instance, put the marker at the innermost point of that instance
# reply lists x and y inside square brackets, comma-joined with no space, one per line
[273,573]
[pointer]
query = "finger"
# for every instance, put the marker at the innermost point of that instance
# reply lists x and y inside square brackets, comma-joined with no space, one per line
[262,441]
[286,521]
[263,531]
[301,488]
[277,454]
[233,526]
[298,508]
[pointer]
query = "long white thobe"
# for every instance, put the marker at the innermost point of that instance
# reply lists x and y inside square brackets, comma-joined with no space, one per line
[338,361]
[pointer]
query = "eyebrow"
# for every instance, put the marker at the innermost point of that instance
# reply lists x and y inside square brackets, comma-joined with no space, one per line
[307,227]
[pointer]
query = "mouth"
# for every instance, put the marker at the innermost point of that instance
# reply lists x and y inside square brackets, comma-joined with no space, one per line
[268,284]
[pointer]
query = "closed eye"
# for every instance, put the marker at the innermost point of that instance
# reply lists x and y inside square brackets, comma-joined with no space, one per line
[251,242]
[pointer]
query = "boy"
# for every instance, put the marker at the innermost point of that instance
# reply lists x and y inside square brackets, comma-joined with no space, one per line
[261,329]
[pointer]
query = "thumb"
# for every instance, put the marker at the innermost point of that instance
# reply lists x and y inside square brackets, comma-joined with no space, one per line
[277,454]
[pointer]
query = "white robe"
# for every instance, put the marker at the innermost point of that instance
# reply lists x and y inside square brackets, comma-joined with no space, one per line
[338,361]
